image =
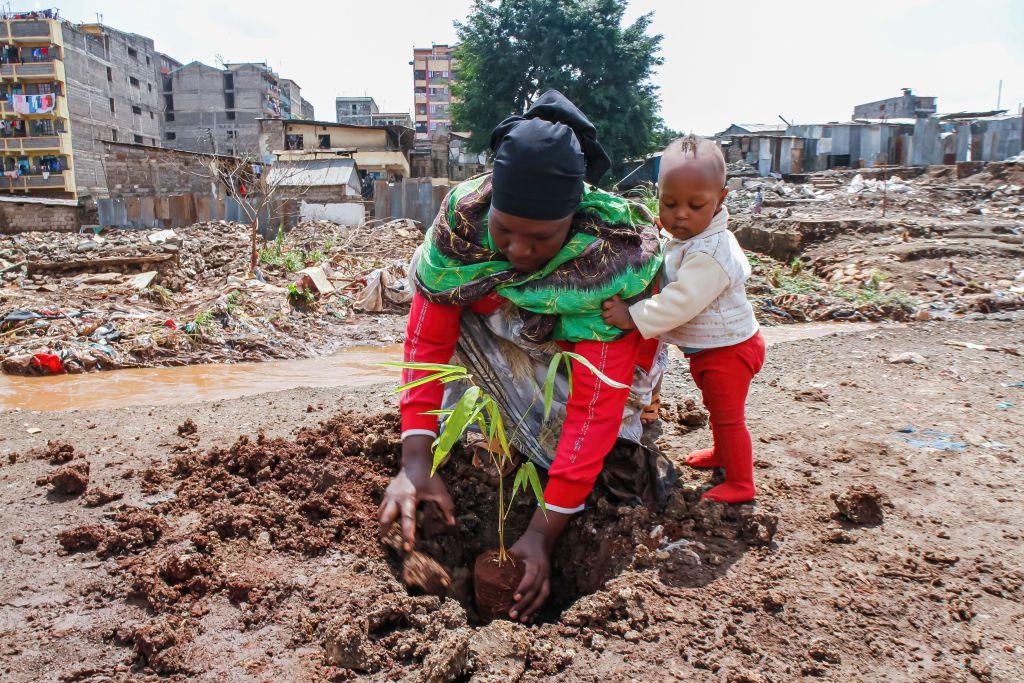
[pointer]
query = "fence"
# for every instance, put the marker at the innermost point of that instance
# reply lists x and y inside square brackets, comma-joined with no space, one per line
[173,211]
[415,198]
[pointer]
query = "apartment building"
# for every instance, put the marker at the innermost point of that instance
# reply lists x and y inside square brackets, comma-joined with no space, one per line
[308,113]
[355,111]
[213,110]
[65,89]
[434,69]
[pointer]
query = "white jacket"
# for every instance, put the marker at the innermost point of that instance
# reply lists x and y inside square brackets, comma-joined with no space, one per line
[703,303]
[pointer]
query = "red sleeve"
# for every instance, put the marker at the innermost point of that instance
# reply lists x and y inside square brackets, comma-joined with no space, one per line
[430,337]
[592,421]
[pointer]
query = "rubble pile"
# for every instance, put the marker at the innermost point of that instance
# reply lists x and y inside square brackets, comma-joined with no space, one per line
[142,298]
[892,243]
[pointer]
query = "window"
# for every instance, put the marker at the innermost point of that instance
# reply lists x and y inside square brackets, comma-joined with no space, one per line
[169,102]
[170,136]
[147,60]
[293,141]
[113,134]
[421,90]
[134,81]
[136,109]
[138,139]
[231,135]
[420,75]
[110,74]
[149,87]
[111,105]
[229,100]
[325,141]
[133,54]
[151,117]
[231,116]
[168,116]
[168,84]
[229,81]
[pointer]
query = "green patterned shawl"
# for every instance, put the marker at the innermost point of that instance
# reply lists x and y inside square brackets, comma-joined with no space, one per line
[612,249]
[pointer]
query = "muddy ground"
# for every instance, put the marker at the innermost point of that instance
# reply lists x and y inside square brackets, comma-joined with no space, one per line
[885,543]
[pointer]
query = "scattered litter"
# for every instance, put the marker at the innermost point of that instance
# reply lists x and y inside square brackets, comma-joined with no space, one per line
[33,430]
[941,441]
[907,357]
[1005,405]
[982,347]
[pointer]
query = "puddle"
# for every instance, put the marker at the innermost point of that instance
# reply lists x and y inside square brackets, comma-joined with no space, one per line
[351,367]
[354,367]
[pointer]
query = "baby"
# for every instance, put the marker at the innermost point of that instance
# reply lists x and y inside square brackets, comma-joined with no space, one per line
[702,307]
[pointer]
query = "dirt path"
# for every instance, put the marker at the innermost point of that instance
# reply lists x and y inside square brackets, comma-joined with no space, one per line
[252,560]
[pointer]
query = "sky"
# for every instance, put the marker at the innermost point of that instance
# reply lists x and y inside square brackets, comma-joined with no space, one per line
[725,62]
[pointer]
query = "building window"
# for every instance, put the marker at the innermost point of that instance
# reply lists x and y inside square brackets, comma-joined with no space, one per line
[147,60]
[170,136]
[113,134]
[133,54]
[133,81]
[229,100]
[231,116]
[231,135]
[293,142]
[325,141]
[169,102]
[110,74]
[151,116]
[168,116]
[420,75]
[136,109]
[149,87]
[168,84]
[229,81]
[111,105]
[138,139]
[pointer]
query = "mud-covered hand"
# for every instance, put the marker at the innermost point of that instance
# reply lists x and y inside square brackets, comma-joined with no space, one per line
[616,312]
[411,486]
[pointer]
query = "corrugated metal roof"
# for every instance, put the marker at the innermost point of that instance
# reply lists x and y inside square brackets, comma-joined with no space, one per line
[761,127]
[49,201]
[317,173]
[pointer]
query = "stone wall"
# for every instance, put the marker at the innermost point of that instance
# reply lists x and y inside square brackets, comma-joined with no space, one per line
[34,217]
[142,171]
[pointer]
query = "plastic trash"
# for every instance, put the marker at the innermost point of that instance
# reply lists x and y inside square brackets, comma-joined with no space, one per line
[48,363]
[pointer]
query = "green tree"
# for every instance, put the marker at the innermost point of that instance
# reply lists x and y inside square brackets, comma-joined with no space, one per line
[511,51]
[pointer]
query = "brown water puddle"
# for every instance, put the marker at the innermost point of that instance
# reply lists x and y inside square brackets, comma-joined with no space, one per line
[352,367]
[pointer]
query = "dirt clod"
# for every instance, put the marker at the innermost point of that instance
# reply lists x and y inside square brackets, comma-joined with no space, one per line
[861,504]
[424,573]
[67,480]
[187,428]
[95,497]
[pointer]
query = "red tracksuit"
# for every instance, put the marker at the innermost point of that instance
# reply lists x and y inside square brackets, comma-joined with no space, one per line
[593,413]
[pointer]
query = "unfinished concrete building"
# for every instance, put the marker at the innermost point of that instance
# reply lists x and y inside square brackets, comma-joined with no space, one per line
[213,110]
[67,88]
[906,106]
[308,112]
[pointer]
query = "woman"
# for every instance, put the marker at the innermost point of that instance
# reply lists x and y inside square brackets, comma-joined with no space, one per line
[517,260]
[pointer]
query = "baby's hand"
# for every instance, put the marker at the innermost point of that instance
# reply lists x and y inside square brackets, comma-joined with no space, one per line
[616,312]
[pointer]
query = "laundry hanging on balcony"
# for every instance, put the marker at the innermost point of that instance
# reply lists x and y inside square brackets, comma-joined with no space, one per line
[33,104]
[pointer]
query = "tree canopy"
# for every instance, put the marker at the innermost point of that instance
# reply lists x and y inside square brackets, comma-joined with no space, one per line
[511,51]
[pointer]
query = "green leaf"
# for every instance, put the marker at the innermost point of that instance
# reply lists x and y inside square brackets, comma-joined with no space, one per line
[437,412]
[600,375]
[435,367]
[494,415]
[568,369]
[534,479]
[422,380]
[456,425]
[549,383]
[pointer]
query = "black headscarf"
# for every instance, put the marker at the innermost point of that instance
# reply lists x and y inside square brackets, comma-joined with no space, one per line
[542,158]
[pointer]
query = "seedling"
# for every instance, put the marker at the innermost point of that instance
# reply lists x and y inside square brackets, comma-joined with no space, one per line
[477,407]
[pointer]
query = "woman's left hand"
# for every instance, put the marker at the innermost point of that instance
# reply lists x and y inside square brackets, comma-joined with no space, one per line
[534,589]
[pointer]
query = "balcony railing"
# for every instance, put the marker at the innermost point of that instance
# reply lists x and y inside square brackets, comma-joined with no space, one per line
[60,109]
[57,142]
[27,30]
[58,180]
[49,69]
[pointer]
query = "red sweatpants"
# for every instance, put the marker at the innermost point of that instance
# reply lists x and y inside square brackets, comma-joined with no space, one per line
[723,376]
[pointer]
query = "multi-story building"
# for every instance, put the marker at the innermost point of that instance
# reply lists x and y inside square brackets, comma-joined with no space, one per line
[434,69]
[355,111]
[308,113]
[291,99]
[66,88]
[215,110]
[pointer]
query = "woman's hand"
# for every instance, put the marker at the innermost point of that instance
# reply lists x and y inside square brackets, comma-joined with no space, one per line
[616,312]
[533,549]
[410,486]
